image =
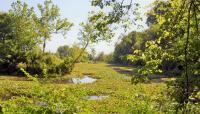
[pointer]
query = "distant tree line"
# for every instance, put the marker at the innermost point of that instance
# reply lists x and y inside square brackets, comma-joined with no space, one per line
[135,42]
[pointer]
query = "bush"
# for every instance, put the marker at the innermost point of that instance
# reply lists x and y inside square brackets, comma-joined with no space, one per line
[35,62]
[177,91]
[46,64]
[66,66]
[54,65]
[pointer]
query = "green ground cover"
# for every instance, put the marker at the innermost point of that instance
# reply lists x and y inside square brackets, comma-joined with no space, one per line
[19,95]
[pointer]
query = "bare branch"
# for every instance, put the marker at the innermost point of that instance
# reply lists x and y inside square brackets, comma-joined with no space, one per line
[122,3]
[130,4]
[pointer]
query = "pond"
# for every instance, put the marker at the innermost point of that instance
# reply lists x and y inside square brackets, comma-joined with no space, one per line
[40,103]
[84,80]
[95,97]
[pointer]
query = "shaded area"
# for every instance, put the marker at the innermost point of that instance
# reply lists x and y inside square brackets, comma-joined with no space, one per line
[131,71]
[13,78]
[122,69]
[159,78]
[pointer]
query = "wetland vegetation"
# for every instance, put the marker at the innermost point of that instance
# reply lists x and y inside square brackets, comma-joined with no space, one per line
[154,70]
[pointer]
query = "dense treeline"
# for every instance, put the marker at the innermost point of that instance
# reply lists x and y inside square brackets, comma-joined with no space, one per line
[129,44]
[135,42]
[172,44]
[23,32]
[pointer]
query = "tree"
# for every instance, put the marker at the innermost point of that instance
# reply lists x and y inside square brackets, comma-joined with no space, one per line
[100,57]
[50,21]
[63,51]
[75,51]
[130,43]
[20,40]
[93,54]
[108,58]
[93,31]
[18,36]
[5,31]
[72,52]
[124,48]
[178,40]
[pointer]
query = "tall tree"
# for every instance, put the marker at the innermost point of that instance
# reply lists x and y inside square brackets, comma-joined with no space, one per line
[50,21]
[5,26]
[18,35]
[178,22]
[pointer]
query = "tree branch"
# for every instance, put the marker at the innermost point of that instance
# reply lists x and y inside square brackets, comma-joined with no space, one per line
[186,53]
[130,4]
[196,19]
[196,7]
[86,45]
[178,17]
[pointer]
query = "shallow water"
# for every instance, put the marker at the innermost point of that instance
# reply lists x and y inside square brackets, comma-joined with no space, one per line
[84,80]
[95,97]
[40,103]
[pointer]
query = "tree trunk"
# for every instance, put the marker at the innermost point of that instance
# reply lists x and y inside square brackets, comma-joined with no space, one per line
[75,60]
[186,53]
[44,45]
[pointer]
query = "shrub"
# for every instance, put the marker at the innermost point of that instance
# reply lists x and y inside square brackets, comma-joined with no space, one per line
[46,64]
[66,66]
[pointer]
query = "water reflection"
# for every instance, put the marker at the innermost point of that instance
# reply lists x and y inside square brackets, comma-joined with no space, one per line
[84,80]
[95,97]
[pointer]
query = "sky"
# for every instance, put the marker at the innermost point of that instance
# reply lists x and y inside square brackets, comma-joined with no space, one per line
[76,11]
